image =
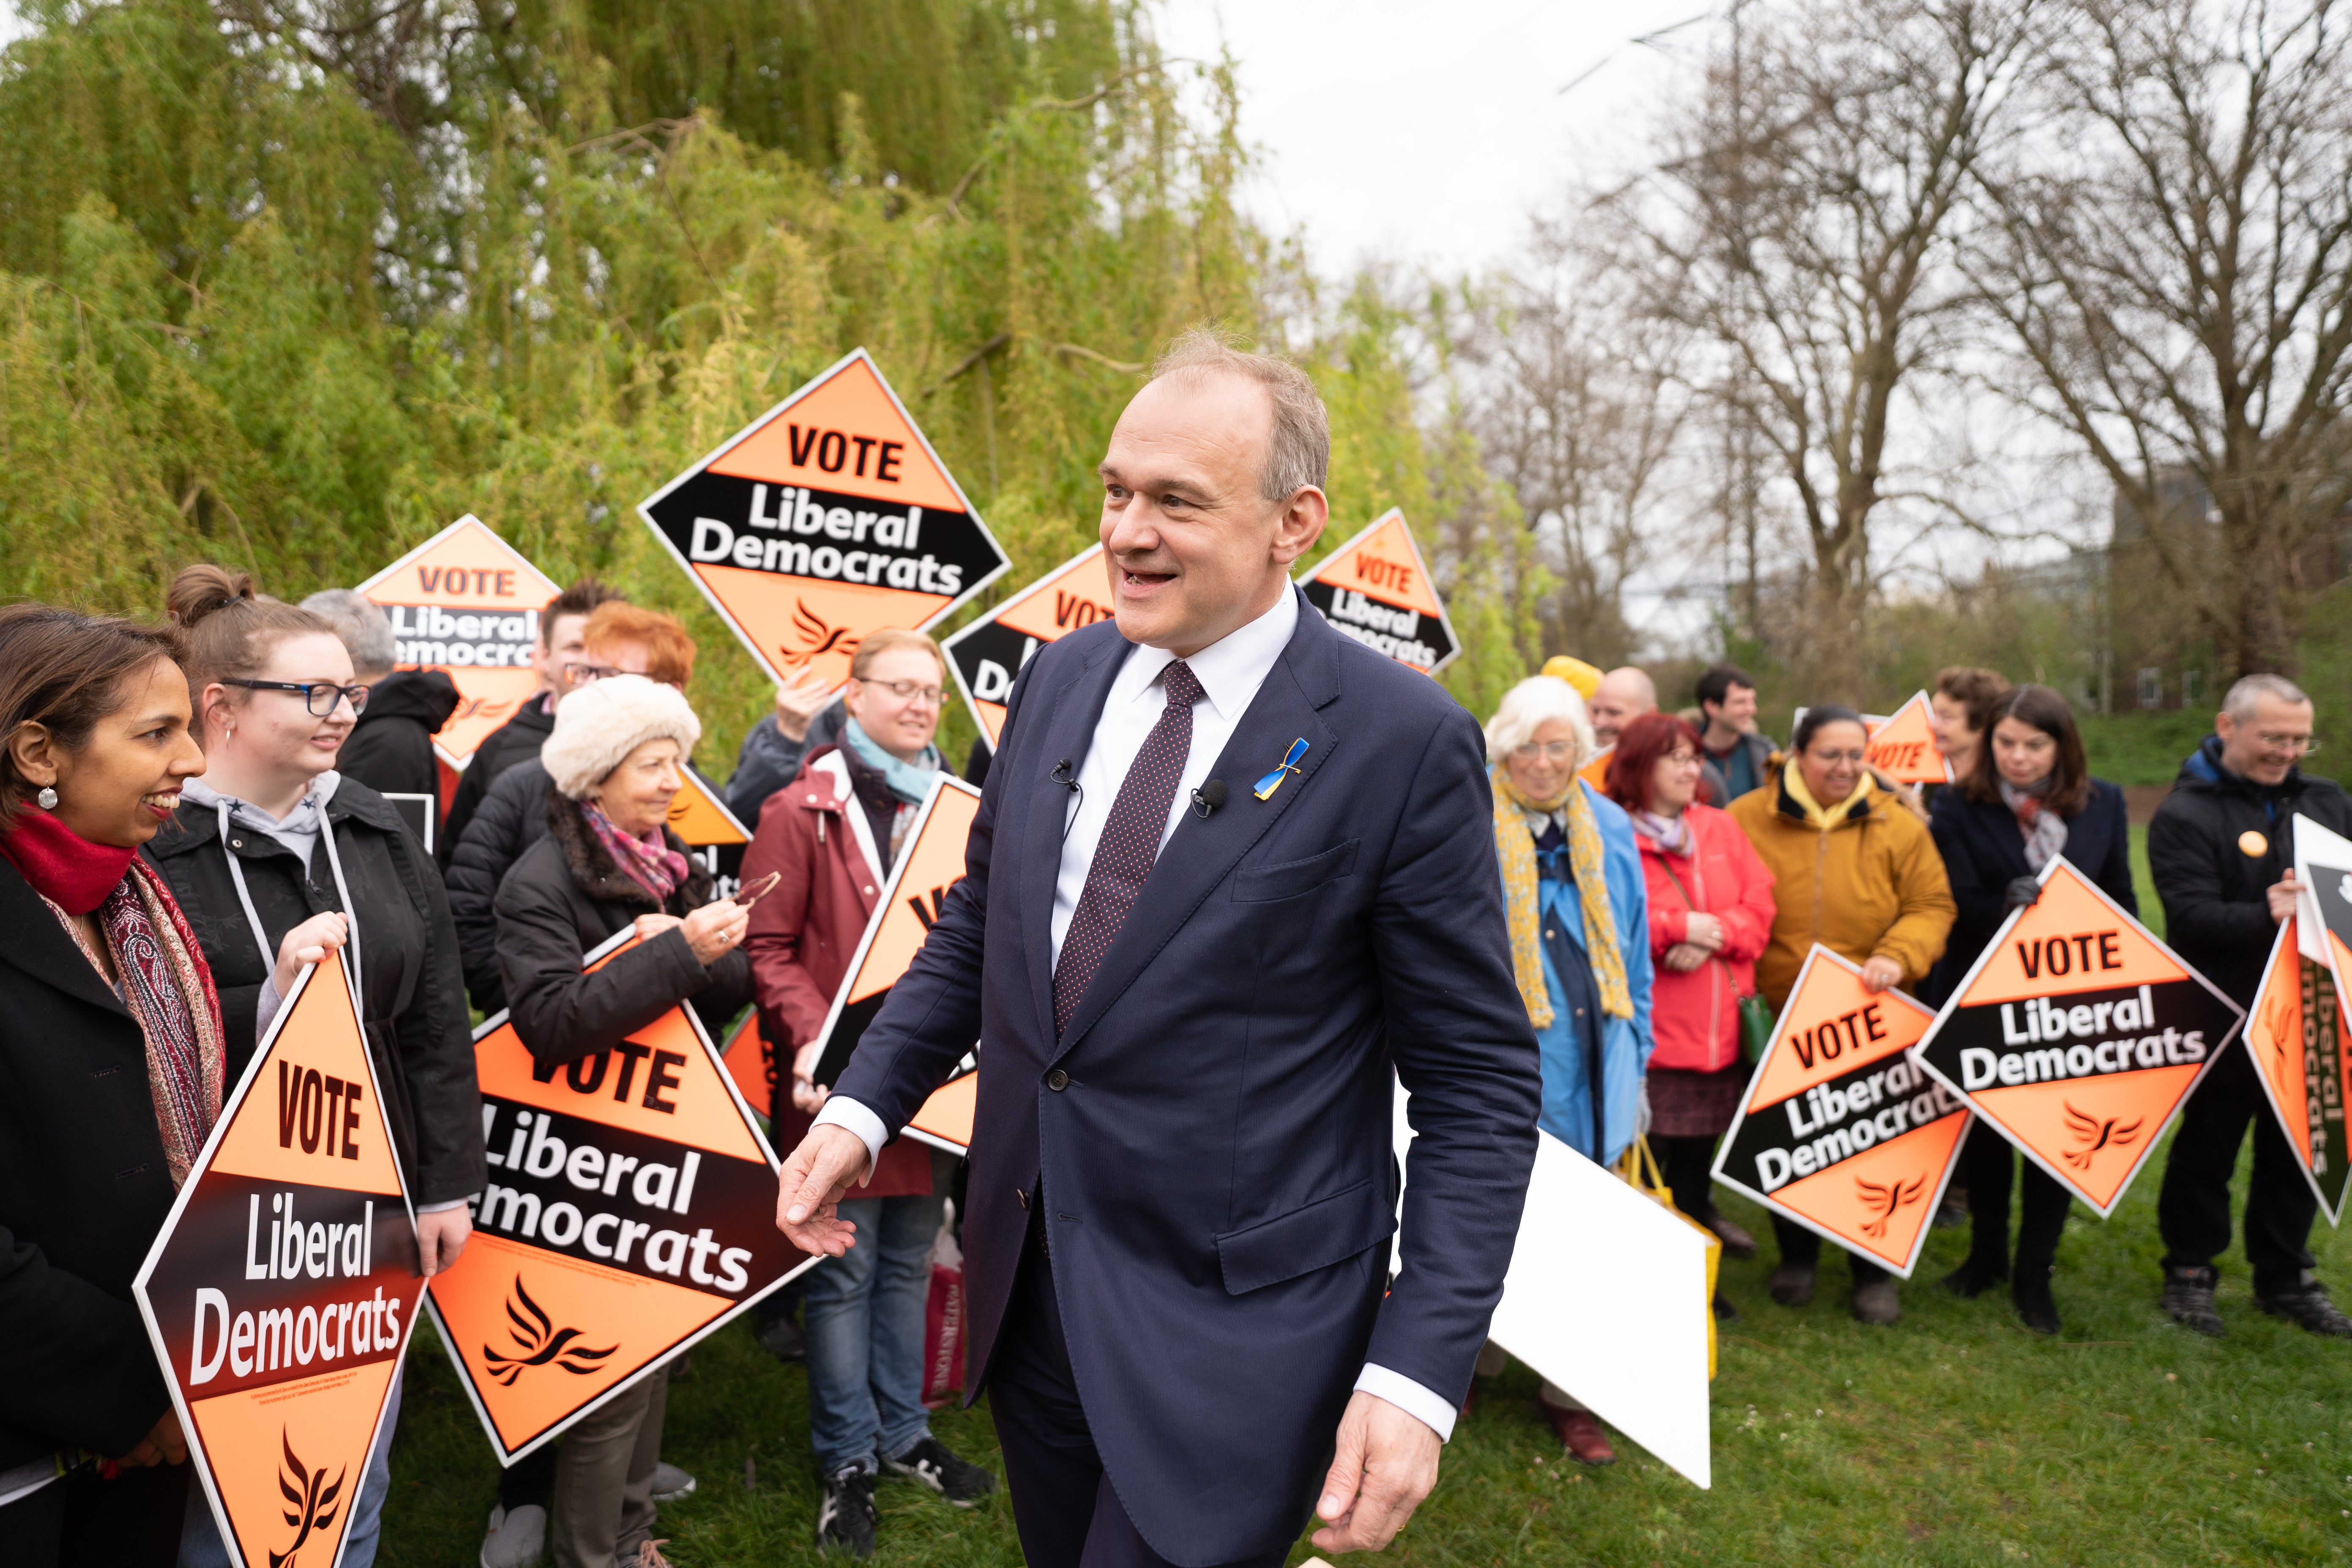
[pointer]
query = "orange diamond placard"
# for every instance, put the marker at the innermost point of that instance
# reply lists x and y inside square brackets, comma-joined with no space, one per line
[1903,747]
[712,833]
[1375,589]
[2077,1034]
[630,1211]
[2296,1034]
[986,655]
[826,518]
[752,1063]
[1839,1129]
[281,1292]
[931,863]
[466,602]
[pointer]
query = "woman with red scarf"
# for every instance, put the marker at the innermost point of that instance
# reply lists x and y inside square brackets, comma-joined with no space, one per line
[111,1062]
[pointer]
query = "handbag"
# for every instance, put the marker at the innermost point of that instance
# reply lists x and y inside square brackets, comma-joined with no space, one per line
[1641,1172]
[1755,1015]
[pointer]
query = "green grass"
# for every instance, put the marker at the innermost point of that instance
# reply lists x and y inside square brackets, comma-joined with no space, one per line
[2143,748]
[1955,1438]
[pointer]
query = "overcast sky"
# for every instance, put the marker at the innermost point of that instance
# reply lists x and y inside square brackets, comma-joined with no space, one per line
[1422,133]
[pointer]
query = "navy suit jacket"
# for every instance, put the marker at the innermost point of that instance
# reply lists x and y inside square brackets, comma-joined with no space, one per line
[1214,1133]
[1983,852]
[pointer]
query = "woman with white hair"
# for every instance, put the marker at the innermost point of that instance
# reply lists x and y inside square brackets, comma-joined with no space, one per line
[1579,910]
[610,863]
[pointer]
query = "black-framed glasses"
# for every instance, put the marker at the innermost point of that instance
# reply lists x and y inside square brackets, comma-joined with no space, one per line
[318,696]
[583,672]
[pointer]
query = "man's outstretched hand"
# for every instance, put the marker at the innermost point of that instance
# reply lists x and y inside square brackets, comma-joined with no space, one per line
[1386,1464]
[809,1190]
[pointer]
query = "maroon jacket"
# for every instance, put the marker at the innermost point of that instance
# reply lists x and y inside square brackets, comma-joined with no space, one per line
[802,934]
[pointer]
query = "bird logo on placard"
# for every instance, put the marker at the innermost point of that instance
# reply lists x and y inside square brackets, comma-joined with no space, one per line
[819,636]
[1885,1201]
[542,1344]
[310,1499]
[2096,1135]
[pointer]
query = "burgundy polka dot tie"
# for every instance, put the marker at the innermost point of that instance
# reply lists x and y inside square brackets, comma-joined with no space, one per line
[1130,844]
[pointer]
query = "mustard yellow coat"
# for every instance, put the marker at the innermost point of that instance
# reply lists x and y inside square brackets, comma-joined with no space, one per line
[1873,884]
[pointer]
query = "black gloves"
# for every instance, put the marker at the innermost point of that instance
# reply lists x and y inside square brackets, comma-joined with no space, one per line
[2022,893]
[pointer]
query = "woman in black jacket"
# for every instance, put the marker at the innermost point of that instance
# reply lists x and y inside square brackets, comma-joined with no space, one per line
[110,1046]
[609,864]
[2030,798]
[271,843]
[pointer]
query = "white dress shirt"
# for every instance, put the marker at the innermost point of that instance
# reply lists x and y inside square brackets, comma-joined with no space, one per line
[1230,671]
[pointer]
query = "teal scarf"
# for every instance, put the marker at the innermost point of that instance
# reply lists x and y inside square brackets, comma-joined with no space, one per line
[911,782]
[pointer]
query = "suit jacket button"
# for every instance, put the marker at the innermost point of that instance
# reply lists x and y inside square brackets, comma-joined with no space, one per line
[1057,1081]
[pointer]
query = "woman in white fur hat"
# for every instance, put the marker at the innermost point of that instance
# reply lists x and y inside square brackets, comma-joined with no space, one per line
[608,863]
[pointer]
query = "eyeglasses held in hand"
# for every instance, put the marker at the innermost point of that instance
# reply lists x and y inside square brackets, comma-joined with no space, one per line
[1550,750]
[318,696]
[907,690]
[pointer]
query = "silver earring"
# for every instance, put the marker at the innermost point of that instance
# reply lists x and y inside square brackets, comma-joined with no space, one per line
[47,798]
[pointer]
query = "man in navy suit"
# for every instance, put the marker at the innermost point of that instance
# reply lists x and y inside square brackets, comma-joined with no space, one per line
[1192,971]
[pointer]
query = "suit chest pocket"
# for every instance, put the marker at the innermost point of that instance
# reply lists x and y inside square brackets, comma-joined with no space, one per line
[1266,884]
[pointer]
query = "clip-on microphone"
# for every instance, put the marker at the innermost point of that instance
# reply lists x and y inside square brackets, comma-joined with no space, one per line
[1208,797]
[1061,775]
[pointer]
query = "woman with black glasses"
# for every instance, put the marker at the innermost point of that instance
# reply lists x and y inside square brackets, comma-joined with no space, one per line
[273,843]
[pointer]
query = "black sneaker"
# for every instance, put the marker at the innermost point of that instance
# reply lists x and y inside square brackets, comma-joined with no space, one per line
[846,1520]
[930,1462]
[2036,1307]
[2189,1297]
[2307,1307]
[1973,1278]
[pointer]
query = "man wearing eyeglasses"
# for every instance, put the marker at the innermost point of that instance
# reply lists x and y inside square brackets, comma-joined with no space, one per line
[2222,852]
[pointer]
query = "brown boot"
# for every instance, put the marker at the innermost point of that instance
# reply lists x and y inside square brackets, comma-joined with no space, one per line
[1875,1303]
[1791,1284]
[1582,1434]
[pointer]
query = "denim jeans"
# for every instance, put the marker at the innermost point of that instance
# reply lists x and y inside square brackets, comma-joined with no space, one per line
[866,1334]
[200,1541]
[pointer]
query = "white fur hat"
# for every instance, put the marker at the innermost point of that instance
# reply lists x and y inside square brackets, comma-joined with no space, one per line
[600,725]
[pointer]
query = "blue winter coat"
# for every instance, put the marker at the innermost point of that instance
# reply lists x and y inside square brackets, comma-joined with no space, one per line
[1625,1043]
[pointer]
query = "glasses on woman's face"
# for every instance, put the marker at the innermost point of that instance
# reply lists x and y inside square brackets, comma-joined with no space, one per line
[908,690]
[1545,751]
[1829,759]
[318,696]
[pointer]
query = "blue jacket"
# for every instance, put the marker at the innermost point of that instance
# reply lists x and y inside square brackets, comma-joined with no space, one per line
[1625,1043]
[1212,1132]
[1983,852]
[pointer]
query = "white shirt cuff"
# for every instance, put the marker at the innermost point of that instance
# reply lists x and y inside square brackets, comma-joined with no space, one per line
[838,1112]
[1410,1397]
[452,1203]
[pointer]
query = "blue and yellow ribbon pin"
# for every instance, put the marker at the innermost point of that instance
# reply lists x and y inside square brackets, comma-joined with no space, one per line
[1265,787]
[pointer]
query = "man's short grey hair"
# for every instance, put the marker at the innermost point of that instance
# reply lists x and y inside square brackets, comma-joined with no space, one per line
[2247,695]
[1531,704]
[1298,453]
[365,629]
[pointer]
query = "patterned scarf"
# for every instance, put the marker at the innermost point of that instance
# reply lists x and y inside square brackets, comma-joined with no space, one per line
[165,982]
[2044,830]
[1514,847]
[650,862]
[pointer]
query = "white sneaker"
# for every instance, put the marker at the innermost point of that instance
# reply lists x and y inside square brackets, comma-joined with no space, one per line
[670,1483]
[515,1539]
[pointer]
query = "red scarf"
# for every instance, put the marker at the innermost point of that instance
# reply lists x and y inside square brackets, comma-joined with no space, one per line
[63,866]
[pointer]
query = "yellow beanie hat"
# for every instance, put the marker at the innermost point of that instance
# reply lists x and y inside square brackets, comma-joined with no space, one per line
[1576,672]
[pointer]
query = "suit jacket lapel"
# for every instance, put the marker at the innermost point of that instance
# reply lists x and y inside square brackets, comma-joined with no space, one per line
[1073,712]
[1202,852]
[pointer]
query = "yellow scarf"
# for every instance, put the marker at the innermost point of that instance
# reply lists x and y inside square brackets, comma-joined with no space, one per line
[1819,817]
[1514,847]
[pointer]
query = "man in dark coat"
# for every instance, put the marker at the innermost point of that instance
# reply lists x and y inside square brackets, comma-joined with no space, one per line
[1232,876]
[2222,852]
[562,643]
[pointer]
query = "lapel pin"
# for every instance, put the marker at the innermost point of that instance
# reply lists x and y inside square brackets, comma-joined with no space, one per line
[1265,787]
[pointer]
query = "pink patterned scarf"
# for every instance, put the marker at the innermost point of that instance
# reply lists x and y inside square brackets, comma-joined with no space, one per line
[650,862]
[163,981]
